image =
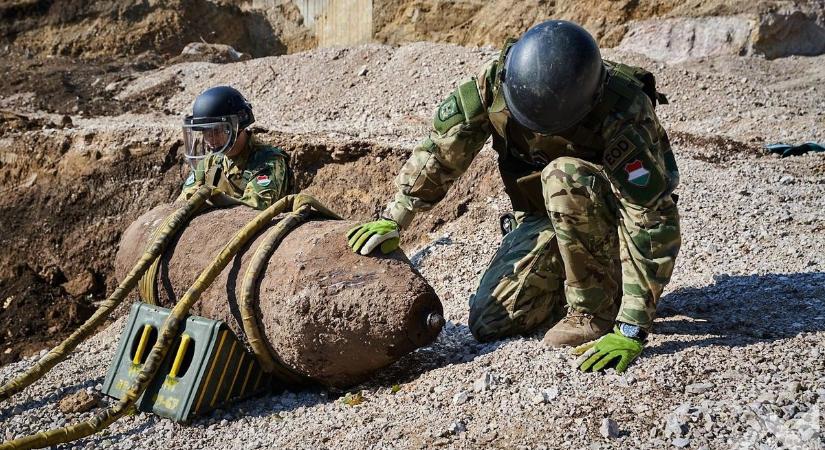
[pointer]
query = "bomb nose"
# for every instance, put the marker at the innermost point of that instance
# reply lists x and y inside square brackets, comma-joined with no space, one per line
[435,321]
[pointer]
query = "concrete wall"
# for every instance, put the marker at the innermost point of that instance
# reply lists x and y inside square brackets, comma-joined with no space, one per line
[344,22]
[335,22]
[311,9]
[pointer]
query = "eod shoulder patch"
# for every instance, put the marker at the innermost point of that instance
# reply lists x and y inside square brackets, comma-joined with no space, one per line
[617,152]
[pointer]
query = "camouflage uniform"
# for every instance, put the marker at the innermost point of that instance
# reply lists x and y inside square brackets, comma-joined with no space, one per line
[597,223]
[257,177]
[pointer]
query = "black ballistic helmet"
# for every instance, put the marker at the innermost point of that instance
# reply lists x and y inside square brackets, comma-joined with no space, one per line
[223,101]
[552,76]
[218,115]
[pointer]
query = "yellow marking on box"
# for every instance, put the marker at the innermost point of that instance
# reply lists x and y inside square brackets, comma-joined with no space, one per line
[184,345]
[223,373]
[209,373]
[235,377]
[144,338]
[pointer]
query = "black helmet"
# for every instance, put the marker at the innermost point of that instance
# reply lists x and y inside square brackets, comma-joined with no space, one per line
[218,114]
[552,76]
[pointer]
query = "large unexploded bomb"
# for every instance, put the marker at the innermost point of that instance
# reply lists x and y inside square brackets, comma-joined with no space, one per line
[327,313]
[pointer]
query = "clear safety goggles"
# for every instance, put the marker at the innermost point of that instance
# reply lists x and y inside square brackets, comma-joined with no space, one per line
[205,135]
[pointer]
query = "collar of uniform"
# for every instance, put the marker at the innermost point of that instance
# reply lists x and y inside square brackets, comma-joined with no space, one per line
[240,161]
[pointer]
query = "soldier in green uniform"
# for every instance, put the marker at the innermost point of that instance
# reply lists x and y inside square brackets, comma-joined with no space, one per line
[223,153]
[589,171]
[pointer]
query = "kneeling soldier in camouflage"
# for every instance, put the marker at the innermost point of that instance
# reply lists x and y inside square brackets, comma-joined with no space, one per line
[224,154]
[589,171]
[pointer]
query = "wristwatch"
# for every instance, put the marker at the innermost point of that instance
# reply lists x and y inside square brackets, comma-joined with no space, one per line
[633,331]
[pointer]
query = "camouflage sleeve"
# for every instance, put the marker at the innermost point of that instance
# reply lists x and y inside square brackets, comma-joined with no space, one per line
[650,235]
[460,129]
[269,183]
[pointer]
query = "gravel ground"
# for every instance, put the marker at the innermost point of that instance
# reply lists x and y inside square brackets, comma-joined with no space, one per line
[735,360]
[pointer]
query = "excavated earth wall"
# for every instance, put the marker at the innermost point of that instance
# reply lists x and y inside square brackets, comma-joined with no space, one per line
[112,29]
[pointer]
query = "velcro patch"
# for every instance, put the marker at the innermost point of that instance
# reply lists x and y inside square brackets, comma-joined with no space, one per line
[263,180]
[618,152]
[448,115]
[448,109]
[637,173]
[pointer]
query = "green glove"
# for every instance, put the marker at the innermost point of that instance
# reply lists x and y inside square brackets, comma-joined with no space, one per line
[596,355]
[365,237]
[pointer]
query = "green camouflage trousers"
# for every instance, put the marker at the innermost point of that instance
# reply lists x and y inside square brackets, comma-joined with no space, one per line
[593,250]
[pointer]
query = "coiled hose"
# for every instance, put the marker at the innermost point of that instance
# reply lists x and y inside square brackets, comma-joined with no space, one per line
[270,363]
[168,331]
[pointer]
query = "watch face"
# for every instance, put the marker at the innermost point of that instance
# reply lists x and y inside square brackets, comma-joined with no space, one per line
[630,331]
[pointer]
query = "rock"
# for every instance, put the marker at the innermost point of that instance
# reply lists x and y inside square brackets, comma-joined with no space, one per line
[216,53]
[609,429]
[675,427]
[545,395]
[457,427]
[684,38]
[82,284]
[681,442]
[461,397]
[485,383]
[773,34]
[787,33]
[363,71]
[698,388]
[809,435]
[79,402]
[789,411]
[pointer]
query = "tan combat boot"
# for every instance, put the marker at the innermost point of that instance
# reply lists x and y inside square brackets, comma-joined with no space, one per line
[577,328]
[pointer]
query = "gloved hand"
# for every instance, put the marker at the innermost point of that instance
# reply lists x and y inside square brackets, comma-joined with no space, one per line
[596,355]
[365,237]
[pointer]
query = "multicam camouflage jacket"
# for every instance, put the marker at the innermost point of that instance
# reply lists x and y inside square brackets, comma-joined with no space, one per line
[622,135]
[621,128]
[257,177]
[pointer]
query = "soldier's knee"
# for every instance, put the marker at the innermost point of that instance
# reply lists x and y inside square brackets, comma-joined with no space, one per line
[483,330]
[489,320]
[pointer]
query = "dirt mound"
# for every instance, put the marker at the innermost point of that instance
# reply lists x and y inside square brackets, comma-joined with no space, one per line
[37,311]
[117,28]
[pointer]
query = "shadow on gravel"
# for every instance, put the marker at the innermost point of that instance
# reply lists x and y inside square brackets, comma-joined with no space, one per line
[455,345]
[741,310]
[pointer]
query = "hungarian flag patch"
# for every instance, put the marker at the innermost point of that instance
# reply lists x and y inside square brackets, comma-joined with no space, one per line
[637,174]
[263,180]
